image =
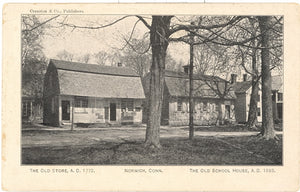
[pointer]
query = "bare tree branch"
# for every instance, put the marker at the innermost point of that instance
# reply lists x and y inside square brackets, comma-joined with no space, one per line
[96,27]
[177,28]
[144,21]
[40,24]
[130,36]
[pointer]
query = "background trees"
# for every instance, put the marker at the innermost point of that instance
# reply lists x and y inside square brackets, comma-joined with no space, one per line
[218,40]
[34,61]
[137,56]
[65,55]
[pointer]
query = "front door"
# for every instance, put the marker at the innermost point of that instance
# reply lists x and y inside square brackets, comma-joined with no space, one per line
[227,111]
[65,105]
[112,111]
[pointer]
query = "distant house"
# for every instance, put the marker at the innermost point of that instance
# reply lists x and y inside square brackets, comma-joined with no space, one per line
[277,96]
[32,107]
[243,94]
[175,107]
[91,94]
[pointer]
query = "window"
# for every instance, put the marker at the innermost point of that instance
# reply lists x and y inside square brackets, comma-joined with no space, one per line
[84,103]
[258,111]
[258,98]
[123,105]
[204,106]
[24,108]
[179,105]
[99,103]
[280,97]
[130,105]
[81,102]
[127,105]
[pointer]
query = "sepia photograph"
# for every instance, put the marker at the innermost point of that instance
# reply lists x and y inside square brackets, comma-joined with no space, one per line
[151,89]
[150,97]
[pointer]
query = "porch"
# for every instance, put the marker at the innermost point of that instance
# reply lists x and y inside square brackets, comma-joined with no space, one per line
[90,110]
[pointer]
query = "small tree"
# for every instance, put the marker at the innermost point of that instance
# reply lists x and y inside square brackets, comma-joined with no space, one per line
[85,58]
[137,56]
[102,57]
[65,55]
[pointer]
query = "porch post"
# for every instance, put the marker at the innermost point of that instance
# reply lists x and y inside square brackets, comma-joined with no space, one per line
[72,122]
[59,111]
[30,108]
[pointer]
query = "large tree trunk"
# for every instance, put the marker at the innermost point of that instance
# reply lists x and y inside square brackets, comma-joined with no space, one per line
[159,44]
[252,116]
[267,113]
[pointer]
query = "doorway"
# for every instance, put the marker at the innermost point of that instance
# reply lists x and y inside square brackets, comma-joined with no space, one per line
[112,111]
[65,105]
[227,111]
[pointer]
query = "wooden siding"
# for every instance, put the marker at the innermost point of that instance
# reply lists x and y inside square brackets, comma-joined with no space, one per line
[171,116]
[95,112]
[205,113]
[242,106]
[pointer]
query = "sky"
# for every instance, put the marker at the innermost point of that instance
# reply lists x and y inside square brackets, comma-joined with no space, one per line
[80,42]
[110,39]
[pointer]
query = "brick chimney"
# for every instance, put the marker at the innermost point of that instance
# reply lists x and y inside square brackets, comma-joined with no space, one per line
[233,78]
[245,77]
[186,69]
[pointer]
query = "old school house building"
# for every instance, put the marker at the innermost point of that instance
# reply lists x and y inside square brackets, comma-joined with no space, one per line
[175,107]
[85,93]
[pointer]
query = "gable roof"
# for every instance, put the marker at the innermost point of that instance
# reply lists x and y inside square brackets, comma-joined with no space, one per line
[178,85]
[169,73]
[97,81]
[93,68]
[242,87]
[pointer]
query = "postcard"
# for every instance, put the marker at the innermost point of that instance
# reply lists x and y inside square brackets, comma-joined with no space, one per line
[151,97]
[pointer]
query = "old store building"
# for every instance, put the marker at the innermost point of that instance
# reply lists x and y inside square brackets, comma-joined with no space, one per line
[85,93]
[175,108]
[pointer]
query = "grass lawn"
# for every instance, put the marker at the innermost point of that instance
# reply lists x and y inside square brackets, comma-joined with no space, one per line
[243,150]
[233,128]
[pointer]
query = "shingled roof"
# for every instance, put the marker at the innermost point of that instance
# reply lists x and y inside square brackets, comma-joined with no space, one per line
[178,85]
[242,87]
[93,68]
[97,81]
